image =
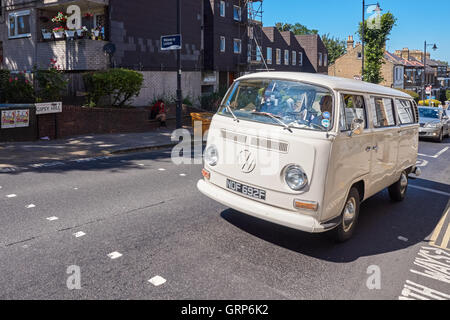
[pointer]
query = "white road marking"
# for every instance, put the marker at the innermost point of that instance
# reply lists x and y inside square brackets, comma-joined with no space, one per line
[30,206]
[437,155]
[157,281]
[75,188]
[421,163]
[183,174]
[11,196]
[114,255]
[402,239]
[415,291]
[141,164]
[79,234]
[430,190]
[161,169]
[52,218]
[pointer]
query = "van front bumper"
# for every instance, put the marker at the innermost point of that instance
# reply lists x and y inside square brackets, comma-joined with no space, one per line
[263,211]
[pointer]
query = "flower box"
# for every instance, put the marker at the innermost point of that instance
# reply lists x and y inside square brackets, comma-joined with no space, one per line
[70,34]
[80,33]
[46,35]
[58,34]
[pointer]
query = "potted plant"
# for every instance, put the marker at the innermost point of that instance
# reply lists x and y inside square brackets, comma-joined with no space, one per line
[70,34]
[58,32]
[46,35]
[95,33]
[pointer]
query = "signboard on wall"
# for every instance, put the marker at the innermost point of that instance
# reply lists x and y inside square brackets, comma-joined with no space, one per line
[49,107]
[172,42]
[15,119]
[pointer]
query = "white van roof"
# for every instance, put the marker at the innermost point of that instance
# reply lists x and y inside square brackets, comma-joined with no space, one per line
[334,83]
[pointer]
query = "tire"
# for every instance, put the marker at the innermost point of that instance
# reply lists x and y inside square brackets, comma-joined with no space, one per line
[397,191]
[346,228]
[441,136]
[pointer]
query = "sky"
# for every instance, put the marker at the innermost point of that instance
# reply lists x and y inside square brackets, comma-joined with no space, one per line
[340,18]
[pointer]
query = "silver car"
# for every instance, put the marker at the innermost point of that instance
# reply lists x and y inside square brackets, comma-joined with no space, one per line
[434,123]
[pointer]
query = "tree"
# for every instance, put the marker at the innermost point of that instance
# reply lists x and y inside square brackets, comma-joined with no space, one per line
[335,47]
[447,93]
[297,28]
[375,38]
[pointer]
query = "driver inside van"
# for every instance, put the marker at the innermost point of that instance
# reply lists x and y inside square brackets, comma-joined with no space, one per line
[323,118]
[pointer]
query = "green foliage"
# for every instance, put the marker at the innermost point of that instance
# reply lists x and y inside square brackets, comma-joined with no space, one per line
[447,94]
[434,103]
[375,40]
[413,94]
[17,89]
[335,47]
[52,83]
[211,101]
[297,28]
[121,85]
[187,101]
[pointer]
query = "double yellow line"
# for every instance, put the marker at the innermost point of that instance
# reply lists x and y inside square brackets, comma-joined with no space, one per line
[442,226]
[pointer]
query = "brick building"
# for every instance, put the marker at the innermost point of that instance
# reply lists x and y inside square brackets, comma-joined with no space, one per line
[219,42]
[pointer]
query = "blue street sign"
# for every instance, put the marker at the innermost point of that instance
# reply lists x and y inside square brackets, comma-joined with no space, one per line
[172,42]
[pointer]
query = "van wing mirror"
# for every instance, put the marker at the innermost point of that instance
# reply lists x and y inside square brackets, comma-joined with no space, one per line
[357,127]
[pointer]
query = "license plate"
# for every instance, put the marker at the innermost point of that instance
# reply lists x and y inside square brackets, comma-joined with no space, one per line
[246,190]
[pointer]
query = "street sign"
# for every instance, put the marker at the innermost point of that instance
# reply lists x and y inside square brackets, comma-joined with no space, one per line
[49,107]
[428,90]
[172,42]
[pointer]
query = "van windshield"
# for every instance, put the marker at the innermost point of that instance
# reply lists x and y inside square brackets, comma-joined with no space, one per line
[280,102]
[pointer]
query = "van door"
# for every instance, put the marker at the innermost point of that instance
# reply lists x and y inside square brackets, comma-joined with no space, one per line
[350,158]
[386,142]
[408,134]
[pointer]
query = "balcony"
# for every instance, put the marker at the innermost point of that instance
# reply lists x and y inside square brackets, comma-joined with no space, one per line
[80,48]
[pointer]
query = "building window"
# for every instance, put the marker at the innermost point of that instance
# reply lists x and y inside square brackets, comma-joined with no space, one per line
[19,24]
[300,58]
[325,60]
[286,57]
[258,53]
[222,8]
[249,52]
[269,55]
[278,57]
[237,13]
[294,58]
[320,59]
[237,46]
[360,55]
[222,44]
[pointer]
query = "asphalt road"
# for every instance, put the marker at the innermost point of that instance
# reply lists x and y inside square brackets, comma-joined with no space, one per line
[149,211]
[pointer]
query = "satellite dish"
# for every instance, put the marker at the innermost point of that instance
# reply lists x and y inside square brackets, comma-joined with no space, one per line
[109,48]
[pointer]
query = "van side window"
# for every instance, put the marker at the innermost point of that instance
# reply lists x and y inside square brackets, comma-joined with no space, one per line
[383,112]
[353,107]
[405,111]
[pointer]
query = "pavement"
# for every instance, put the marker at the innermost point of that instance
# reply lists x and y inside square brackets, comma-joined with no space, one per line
[16,155]
[121,222]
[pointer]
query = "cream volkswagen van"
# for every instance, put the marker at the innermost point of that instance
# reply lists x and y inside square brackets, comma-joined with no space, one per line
[304,150]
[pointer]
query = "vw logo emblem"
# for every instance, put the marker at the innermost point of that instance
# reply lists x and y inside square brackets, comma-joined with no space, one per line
[247,161]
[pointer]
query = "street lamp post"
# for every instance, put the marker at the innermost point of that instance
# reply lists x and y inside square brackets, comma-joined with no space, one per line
[364,6]
[424,85]
[179,92]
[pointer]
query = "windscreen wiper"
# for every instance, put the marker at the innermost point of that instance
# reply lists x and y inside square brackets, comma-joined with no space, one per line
[227,106]
[274,117]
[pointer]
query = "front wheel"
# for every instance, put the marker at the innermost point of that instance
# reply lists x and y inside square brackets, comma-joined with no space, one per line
[397,191]
[349,217]
[441,136]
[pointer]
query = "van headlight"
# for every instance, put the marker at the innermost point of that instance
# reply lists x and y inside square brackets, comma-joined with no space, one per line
[295,177]
[212,155]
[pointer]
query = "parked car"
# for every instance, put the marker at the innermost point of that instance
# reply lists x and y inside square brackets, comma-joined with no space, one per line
[304,150]
[434,123]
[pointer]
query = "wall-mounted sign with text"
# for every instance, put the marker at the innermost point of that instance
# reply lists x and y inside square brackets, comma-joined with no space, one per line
[49,107]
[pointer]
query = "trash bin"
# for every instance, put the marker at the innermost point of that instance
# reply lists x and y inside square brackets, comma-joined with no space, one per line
[205,118]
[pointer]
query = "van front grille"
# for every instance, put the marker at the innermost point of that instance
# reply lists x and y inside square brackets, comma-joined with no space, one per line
[257,142]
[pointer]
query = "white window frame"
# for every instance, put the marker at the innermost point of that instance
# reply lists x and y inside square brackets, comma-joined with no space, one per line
[286,55]
[294,58]
[300,59]
[325,60]
[259,53]
[240,46]
[320,59]
[222,9]
[16,15]
[249,52]
[239,13]
[269,56]
[223,41]
[278,56]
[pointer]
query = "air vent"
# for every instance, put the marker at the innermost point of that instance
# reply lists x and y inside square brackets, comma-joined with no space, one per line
[239,138]
[261,143]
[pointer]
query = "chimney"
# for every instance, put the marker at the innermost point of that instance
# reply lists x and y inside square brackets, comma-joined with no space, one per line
[398,53]
[405,53]
[350,42]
